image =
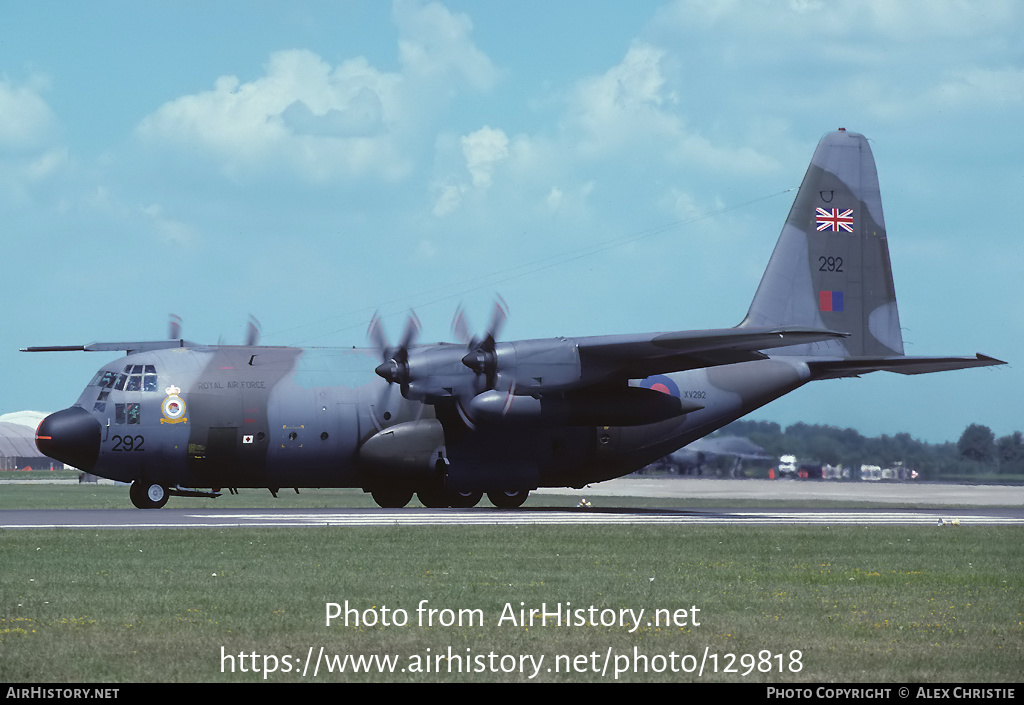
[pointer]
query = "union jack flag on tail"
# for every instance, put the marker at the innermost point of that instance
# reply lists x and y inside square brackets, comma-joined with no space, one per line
[834,220]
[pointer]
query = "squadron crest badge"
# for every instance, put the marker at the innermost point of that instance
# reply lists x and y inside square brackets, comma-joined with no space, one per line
[173,407]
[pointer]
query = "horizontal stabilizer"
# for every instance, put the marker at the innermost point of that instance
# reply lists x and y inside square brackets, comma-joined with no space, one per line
[904,365]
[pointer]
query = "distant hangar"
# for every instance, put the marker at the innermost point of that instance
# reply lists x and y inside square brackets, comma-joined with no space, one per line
[18,450]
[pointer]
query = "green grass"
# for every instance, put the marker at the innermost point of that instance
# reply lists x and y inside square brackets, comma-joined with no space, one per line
[892,604]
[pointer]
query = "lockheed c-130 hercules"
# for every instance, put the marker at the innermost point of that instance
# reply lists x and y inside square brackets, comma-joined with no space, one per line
[452,421]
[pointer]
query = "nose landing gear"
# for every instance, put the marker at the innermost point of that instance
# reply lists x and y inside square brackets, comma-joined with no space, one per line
[146,495]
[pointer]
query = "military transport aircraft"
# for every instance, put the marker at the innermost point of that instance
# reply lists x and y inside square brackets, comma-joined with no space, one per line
[451,421]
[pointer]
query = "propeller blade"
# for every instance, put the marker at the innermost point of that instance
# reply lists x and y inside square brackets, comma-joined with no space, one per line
[460,328]
[252,333]
[174,329]
[376,335]
[498,317]
[412,331]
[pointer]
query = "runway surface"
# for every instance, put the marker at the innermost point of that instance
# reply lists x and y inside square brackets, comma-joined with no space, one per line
[999,505]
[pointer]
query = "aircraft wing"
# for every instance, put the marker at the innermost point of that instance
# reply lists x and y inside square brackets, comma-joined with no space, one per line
[639,356]
[129,347]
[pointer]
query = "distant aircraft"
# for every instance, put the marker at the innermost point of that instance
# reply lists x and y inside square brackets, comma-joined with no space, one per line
[451,421]
[694,456]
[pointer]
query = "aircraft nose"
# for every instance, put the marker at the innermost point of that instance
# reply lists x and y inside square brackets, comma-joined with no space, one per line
[71,436]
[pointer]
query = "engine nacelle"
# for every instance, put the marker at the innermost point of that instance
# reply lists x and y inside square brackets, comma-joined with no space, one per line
[433,373]
[535,366]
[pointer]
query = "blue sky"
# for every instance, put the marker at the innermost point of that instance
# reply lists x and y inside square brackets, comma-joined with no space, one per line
[606,167]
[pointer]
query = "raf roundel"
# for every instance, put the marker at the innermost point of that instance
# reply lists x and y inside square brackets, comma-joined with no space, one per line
[661,383]
[173,407]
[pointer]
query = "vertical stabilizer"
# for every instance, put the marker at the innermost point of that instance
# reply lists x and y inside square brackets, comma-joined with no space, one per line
[830,268]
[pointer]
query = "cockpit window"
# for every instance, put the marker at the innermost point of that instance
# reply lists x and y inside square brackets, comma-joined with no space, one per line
[103,378]
[135,378]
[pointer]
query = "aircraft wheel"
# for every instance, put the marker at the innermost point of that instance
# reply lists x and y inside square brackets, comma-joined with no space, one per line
[147,495]
[435,498]
[508,499]
[391,498]
[465,500]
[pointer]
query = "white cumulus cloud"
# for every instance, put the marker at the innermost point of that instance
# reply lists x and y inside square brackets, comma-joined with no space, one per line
[323,121]
[27,124]
[484,150]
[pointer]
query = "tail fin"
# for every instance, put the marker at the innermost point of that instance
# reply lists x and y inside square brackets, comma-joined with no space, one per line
[830,268]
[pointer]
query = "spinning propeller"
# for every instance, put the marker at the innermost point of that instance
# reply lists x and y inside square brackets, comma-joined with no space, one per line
[482,356]
[393,368]
[395,365]
[432,374]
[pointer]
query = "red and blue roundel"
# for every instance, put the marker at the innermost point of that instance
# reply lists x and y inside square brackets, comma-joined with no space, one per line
[661,383]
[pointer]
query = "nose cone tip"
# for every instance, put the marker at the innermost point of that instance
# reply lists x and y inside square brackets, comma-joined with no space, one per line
[71,436]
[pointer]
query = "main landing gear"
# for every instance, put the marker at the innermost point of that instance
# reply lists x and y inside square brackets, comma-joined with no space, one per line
[508,499]
[438,497]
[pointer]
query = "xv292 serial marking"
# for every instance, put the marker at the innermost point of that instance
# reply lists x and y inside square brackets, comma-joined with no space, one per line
[452,421]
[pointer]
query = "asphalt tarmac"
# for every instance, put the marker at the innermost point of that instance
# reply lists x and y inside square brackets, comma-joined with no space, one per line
[939,505]
[928,493]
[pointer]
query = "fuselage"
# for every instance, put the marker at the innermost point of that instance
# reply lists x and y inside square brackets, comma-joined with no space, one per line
[237,416]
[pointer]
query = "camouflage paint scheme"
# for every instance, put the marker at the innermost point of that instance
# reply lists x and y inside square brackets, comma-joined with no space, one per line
[452,421]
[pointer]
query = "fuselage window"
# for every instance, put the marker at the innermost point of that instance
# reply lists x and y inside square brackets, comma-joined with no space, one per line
[134,383]
[149,382]
[119,384]
[128,413]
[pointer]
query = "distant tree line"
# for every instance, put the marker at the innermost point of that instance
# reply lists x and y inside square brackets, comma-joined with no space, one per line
[977,453]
